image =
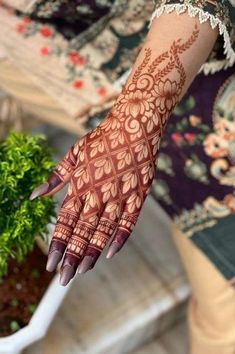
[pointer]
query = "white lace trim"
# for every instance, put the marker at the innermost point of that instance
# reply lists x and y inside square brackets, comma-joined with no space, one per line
[209,67]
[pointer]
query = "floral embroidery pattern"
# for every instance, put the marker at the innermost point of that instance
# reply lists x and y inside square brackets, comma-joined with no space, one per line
[75,63]
[220,144]
[205,154]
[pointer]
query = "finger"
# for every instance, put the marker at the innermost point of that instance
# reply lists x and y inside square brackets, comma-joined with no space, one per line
[122,233]
[77,245]
[104,231]
[66,221]
[127,221]
[126,224]
[85,227]
[59,177]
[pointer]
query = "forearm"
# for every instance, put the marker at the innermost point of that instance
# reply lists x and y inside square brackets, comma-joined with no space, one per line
[173,52]
[170,28]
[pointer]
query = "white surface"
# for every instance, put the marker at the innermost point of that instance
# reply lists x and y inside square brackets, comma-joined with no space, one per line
[37,327]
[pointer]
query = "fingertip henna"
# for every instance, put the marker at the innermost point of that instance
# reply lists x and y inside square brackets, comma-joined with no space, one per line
[47,187]
[118,242]
[89,260]
[55,255]
[113,249]
[69,268]
[57,245]
[86,264]
[53,260]
[40,190]
[55,183]
[67,274]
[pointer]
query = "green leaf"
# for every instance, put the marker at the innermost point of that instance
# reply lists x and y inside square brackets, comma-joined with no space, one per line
[184,106]
[14,302]
[35,273]
[25,162]
[14,326]
[32,308]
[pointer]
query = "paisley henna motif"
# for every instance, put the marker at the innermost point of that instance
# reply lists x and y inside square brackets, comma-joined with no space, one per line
[111,169]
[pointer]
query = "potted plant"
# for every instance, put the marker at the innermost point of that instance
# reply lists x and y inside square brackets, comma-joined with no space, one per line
[29,296]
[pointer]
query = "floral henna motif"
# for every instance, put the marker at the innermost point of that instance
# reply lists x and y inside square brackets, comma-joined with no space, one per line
[111,169]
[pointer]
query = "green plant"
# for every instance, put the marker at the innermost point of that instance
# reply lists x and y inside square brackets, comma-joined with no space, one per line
[25,162]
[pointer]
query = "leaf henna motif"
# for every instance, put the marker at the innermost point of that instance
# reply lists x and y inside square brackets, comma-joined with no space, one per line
[112,168]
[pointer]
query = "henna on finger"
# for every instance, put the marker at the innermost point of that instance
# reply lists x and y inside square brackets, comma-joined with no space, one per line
[53,184]
[114,165]
[102,235]
[76,247]
[106,226]
[69,268]
[124,230]
[65,224]
[59,177]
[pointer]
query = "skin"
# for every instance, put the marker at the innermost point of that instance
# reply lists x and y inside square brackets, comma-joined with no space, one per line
[111,169]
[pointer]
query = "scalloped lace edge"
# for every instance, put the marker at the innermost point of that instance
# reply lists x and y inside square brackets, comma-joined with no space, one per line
[210,67]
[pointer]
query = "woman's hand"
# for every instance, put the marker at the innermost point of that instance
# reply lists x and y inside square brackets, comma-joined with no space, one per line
[111,169]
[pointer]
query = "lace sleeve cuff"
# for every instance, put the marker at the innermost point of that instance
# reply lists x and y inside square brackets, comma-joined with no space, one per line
[218,15]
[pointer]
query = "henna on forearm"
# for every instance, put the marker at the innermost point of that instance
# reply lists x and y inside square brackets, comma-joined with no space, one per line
[112,168]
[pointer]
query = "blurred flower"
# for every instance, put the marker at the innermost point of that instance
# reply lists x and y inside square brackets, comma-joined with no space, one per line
[78,84]
[215,146]
[46,31]
[229,200]
[26,19]
[194,120]
[44,51]
[101,91]
[190,137]
[225,129]
[177,138]
[20,28]
[76,58]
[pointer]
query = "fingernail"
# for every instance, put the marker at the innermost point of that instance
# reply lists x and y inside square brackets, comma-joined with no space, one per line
[84,266]
[53,259]
[114,248]
[66,275]
[43,188]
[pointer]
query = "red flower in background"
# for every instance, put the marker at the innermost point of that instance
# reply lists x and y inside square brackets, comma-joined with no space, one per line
[78,84]
[46,31]
[44,51]
[101,91]
[20,28]
[190,137]
[26,19]
[177,138]
[76,58]
[81,61]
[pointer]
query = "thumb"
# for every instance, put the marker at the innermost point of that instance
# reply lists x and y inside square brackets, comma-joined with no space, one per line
[58,178]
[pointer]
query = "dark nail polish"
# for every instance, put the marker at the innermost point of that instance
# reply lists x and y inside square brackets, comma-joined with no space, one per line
[66,275]
[43,188]
[54,181]
[85,264]
[114,248]
[53,259]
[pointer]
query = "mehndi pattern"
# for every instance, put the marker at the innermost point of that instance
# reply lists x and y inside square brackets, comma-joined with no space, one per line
[111,169]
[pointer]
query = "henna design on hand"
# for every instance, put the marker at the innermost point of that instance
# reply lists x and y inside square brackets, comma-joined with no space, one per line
[111,169]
